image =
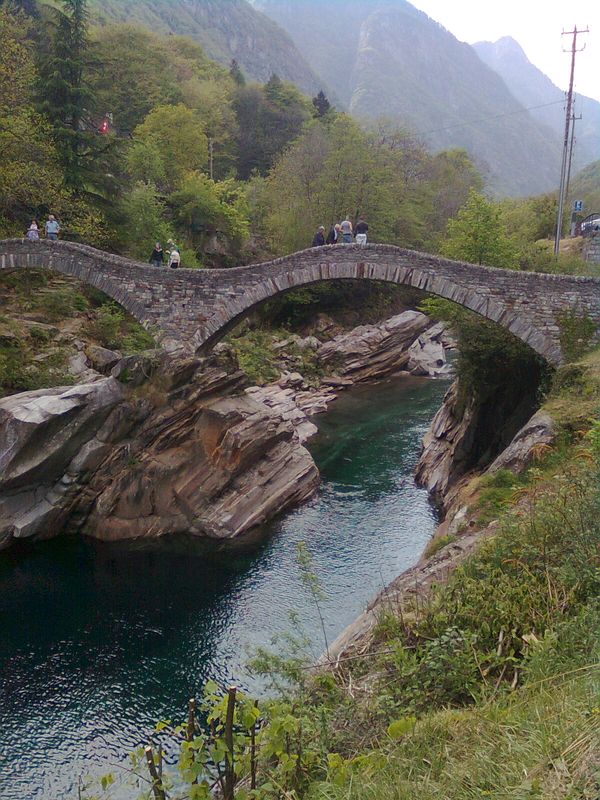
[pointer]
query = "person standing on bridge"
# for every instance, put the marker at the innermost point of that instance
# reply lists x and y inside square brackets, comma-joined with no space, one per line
[157,259]
[346,228]
[361,232]
[319,238]
[174,255]
[335,234]
[33,232]
[52,228]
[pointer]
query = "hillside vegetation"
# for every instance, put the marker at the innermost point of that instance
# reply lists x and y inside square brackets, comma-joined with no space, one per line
[225,30]
[394,61]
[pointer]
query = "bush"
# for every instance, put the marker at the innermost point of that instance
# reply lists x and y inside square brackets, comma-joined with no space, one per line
[59,304]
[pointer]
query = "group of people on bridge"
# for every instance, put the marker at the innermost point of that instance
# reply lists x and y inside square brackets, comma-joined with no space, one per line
[51,229]
[173,254]
[342,233]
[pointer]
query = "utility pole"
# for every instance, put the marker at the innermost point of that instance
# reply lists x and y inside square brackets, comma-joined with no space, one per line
[568,182]
[565,158]
[211,156]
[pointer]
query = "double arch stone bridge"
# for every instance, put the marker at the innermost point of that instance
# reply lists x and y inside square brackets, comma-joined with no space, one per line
[192,309]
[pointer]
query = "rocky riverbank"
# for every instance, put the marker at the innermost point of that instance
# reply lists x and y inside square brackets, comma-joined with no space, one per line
[443,469]
[149,446]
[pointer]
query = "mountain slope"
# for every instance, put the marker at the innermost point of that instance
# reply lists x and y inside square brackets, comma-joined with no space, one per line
[532,88]
[225,28]
[386,58]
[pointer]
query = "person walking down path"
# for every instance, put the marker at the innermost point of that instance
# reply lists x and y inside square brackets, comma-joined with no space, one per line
[319,238]
[346,227]
[361,231]
[174,255]
[33,232]
[334,235]
[52,228]
[157,259]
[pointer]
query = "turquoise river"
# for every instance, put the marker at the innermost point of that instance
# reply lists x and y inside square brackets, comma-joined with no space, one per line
[98,641]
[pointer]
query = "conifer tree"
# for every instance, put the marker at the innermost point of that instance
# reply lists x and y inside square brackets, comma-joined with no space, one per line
[66,100]
[321,104]
[236,73]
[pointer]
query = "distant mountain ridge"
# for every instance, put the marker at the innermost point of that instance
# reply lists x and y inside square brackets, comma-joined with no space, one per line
[387,58]
[226,29]
[533,88]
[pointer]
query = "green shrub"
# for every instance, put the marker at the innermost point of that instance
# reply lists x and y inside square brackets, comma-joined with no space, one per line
[106,325]
[256,356]
[59,304]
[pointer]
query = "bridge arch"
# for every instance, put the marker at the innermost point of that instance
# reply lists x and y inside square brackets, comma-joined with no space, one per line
[294,275]
[110,274]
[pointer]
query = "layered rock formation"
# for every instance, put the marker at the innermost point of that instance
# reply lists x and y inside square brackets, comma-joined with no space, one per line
[151,445]
[177,455]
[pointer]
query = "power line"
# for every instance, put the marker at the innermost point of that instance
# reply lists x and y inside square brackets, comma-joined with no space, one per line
[485,119]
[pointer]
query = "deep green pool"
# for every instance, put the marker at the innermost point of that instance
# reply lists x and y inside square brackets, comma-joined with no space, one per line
[99,641]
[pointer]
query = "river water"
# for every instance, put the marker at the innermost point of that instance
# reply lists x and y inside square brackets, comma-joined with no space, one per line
[98,641]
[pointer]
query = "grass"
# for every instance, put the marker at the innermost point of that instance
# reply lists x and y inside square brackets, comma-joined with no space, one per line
[543,743]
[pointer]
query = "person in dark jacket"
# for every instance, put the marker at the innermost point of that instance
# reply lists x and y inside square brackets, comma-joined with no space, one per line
[334,235]
[157,259]
[319,239]
[361,230]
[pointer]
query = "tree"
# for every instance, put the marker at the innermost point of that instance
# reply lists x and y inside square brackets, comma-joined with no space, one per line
[66,99]
[236,73]
[143,221]
[268,119]
[175,136]
[30,174]
[321,104]
[212,216]
[477,235]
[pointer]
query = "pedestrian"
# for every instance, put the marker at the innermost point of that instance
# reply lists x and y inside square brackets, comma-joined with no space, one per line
[319,238]
[361,231]
[346,228]
[33,232]
[174,255]
[157,259]
[52,228]
[335,234]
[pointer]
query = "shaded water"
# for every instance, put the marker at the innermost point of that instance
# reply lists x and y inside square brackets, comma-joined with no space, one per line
[100,641]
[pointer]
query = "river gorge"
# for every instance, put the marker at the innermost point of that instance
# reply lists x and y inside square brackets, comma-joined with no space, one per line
[102,640]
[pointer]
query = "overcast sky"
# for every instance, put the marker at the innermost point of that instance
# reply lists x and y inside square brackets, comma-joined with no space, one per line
[536,25]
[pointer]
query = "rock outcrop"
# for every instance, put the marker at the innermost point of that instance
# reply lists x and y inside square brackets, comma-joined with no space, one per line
[536,435]
[184,453]
[447,447]
[373,351]
[154,445]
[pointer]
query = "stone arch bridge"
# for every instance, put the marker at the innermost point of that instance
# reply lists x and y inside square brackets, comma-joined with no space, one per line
[192,309]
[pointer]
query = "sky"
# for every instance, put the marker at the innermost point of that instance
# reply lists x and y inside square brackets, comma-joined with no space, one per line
[536,25]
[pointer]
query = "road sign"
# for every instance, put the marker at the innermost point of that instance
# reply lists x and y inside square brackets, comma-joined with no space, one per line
[577,205]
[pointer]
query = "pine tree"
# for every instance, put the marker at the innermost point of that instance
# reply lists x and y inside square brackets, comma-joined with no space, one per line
[236,73]
[65,97]
[321,104]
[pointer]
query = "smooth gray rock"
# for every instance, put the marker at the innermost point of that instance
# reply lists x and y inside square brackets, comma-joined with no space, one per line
[102,359]
[536,434]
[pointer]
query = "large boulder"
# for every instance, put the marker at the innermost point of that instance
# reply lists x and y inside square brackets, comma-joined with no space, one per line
[217,471]
[536,435]
[41,433]
[373,351]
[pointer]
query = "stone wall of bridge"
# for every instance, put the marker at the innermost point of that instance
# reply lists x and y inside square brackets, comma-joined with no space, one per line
[194,308]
